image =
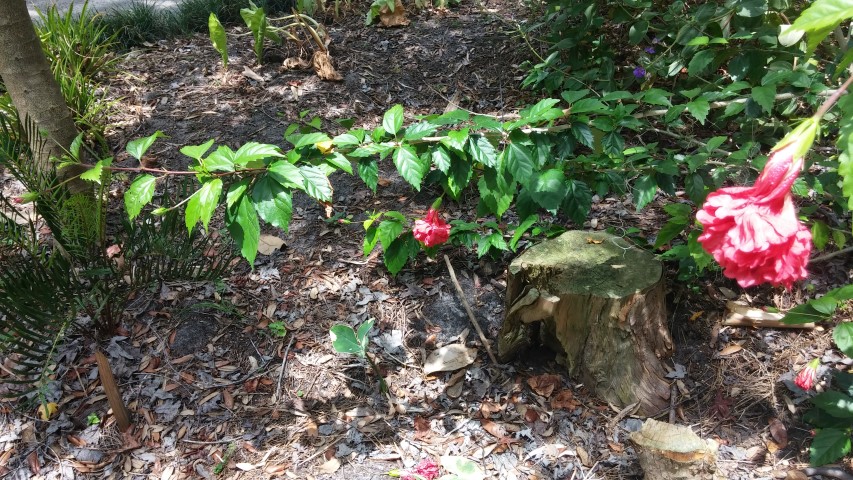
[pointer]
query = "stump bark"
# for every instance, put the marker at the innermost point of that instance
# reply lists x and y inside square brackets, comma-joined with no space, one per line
[599,302]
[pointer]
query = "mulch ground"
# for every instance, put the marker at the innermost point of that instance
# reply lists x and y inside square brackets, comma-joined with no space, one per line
[215,392]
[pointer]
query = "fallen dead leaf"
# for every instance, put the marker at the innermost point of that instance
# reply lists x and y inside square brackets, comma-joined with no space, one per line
[330,467]
[564,399]
[583,456]
[730,349]
[268,244]
[47,410]
[449,358]
[322,63]
[245,466]
[493,428]
[778,432]
[396,18]
[250,74]
[295,63]
[544,384]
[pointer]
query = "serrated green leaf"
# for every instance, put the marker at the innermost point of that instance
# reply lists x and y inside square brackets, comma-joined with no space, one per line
[587,105]
[410,166]
[839,238]
[197,151]
[286,174]
[578,201]
[218,38]
[656,96]
[843,336]
[344,340]
[203,203]
[316,183]
[765,96]
[698,41]
[519,162]
[137,148]
[339,161]
[482,151]
[273,202]
[572,96]
[388,231]
[74,148]
[834,403]
[486,122]
[242,222]
[823,15]
[845,170]
[645,189]
[492,240]
[346,140]
[141,192]
[392,121]
[440,158]
[420,130]
[548,189]
[700,62]
[583,134]
[368,171]
[252,151]
[699,108]
[307,139]
[399,252]
[95,173]
[828,445]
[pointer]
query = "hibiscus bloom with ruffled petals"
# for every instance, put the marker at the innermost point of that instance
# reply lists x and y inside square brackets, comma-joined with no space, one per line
[432,230]
[753,232]
[807,376]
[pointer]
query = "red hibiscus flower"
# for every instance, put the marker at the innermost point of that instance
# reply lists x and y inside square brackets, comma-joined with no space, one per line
[753,232]
[426,469]
[431,231]
[806,378]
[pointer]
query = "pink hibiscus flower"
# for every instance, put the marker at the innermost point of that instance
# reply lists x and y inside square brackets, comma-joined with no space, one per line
[431,231]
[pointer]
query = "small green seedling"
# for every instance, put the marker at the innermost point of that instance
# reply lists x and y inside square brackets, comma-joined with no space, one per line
[347,340]
[278,329]
[93,419]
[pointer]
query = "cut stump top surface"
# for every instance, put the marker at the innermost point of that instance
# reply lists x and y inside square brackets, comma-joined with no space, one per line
[581,262]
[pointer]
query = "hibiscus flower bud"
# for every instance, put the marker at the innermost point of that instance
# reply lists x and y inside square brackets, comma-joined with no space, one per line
[806,378]
[432,230]
[754,232]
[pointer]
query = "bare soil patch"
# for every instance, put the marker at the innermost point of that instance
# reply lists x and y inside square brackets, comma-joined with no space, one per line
[204,375]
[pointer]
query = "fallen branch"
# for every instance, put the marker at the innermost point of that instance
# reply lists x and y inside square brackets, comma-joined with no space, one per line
[470,312]
[741,315]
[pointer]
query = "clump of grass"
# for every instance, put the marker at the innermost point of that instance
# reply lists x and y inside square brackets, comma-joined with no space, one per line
[144,22]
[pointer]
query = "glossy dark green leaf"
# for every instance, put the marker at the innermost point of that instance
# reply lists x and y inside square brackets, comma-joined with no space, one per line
[578,201]
[519,162]
[482,151]
[392,121]
[137,148]
[645,189]
[316,183]
[828,445]
[411,167]
[368,171]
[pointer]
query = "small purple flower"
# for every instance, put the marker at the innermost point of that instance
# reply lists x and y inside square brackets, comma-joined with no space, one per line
[649,50]
[640,72]
[656,40]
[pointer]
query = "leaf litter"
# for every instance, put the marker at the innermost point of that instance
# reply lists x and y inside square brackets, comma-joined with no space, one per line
[199,365]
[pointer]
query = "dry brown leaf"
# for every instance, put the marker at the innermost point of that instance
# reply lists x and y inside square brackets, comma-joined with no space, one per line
[295,63]
[322,63]
[544,384]
[493,428]
[245,466]
[449,358]
[47,410]
[33,462]
[422,427]
[730,349]
[268,244]
[397,18]
[250,74]
[779,432]
[330,467]
[487,409]
[564,399]
[583,456]
[275,469]
[228,399]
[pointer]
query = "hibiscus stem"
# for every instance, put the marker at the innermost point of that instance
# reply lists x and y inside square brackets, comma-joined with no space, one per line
[833,98]
[828,256]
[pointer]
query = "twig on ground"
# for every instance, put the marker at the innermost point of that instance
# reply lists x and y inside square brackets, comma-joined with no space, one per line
[469,311]
[673,390]
[834,472]
[828,256]
[211,442]
[281,372]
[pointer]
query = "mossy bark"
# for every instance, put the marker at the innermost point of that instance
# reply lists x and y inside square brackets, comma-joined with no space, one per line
[600,303]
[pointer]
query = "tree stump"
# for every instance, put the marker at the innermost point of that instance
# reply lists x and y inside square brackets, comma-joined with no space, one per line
[674,452]
[599,302]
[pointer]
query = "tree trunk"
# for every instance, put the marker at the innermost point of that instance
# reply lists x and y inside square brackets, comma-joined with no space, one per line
[34,91]
[599,303]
